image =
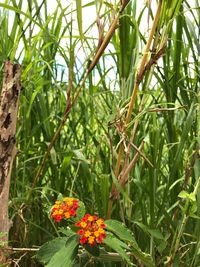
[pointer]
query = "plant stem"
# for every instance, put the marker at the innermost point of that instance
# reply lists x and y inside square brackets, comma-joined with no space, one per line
[70,104]
[138,79]
[178,238]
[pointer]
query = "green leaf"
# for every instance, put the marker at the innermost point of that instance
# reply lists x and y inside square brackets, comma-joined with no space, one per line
[65,163]
[183,194]
[53,156]
[125,234]
[93,250]
[193,208]
[120,230]
[79,16]
[47,250]
[152,232]
[192,197]
[18,11]
[79,155]
[117,246]
[66,255]
[156,234]
[80,212]
[60,197]
[67,232]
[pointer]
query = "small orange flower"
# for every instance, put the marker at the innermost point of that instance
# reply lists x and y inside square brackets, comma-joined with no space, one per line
[64,209]
[83,224]
[91,230]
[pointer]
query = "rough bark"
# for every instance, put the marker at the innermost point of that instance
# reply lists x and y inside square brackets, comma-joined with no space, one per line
[9,100]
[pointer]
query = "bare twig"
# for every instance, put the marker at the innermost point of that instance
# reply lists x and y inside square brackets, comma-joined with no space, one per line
[19,249]
[142,154]
[123,177]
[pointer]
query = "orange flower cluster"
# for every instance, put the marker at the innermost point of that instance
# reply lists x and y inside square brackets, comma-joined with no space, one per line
[91,230]
[64,209]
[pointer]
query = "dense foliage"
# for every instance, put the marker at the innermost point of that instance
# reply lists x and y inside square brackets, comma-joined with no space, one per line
[78,136]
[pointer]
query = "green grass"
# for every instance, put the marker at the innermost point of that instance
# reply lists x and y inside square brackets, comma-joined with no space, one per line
[83,158]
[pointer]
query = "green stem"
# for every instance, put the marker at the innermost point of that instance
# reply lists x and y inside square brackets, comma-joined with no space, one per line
[177,237]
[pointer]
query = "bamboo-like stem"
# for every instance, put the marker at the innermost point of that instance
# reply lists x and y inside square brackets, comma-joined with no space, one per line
[104,44]
[70,103]
[107,37]
[138,79]
[143,63]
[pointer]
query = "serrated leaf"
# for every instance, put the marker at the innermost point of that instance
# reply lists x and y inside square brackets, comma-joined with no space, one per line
[47,250]
[66,255]
[120,230]
[117,246]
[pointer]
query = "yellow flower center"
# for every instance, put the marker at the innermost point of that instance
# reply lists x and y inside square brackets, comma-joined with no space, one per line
[101,231]
[60,211]
[67,215]
[91,239]
[87,233]
[99,222]
[90,218]
[96,233]
[83,224]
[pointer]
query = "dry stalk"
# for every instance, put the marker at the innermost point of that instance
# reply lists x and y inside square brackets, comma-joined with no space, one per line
[133,134]
[10,249]
[143,67]
[139,76]
[107,37]
[71,103]
[123,177]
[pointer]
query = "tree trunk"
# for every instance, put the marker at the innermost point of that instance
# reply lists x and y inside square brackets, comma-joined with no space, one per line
[9,100]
